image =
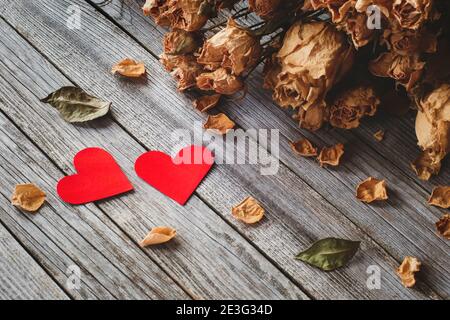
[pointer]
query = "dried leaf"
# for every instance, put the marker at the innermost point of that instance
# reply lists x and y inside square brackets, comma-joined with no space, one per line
[304,148]
[407,270]
[28,197]
[371,189]
[330,253]
[205,103]
[75,105]
[249,211]
[331,156]
[219,123]
[158,235]
[440,197]
[443,226]
[379,135]
[129,68]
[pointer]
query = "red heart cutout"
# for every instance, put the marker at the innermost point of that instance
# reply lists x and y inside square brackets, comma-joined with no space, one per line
[176,178]
[99,177]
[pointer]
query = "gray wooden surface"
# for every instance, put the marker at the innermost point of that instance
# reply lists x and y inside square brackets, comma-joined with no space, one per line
[213,256]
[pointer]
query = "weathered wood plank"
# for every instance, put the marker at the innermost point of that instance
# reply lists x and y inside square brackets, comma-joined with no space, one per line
[21,277]
[291,224]
[404,224]
[208,257]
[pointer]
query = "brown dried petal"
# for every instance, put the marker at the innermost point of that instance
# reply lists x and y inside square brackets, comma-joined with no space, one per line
[440,197]
[407,270]
[219,122]
[184,68]
[411,14]
[385,6]
[205,103]
[129,68]
[304,148]
[332,155]
[248,211]
[371,189]
[379,135]
[28,197]
[443,226]
[426,165]
[219,81]
[180,42]
[264,8]
[158,235]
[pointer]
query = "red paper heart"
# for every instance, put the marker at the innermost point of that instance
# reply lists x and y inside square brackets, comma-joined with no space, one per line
[99,177]
[176,178]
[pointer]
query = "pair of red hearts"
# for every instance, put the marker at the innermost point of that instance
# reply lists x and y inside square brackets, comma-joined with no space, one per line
[99,176]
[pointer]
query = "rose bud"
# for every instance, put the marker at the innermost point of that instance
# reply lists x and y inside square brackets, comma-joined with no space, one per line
[219,81]
[180,42]
[264,8]
[233,48]
[411,14]
[433,131]
[314,56]
[349,107]
[188,15]
[184,69]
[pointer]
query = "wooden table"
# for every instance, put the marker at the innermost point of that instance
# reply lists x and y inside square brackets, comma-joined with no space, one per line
[214,255]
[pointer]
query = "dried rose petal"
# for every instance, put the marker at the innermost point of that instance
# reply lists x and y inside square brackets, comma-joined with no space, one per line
[443,226]
[440,197]
[158,235]
[264,8]
[371,189]
[332,155]
[219,81]
[180,42]
[379,135]
[426,165]
[219,123]
[304,148]
[28,197]
[407,270]
[249,211]
[129,68]
[205,103]
[184,68]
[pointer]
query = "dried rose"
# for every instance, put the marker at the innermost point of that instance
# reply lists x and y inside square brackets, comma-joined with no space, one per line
[443,226]
[440,197]
[234,48]
[129,68]
[28,197]
[371,190]
[332,155]
[356,26]
[264,8]
[411,14]
[350,106]
[248,211]
[304,148]
[158,235]
[219,123]
[385,6]
[314,56]
[337,8]
[407,270]
[180,42]
[219,81]
[205,103]
[379,135]
[433,129]
[408,42]
[188,15]
[313,118]
[184,68]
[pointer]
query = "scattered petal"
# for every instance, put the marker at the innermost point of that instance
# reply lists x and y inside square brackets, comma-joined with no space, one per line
[28,197]
[219,123]
[443,226]
[440,197]
[426,165]
[129,68]
[249,211]
[371,189]
[379,135]
[407,270]
[332,155]
[304,148]
[158,235]
[205,103]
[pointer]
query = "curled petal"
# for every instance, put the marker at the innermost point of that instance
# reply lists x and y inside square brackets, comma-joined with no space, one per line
[28,197]
[407,270]
[371,190]
[158,235]
[248,211]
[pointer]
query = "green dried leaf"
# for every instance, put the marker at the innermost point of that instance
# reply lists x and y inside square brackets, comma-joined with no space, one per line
[75,105]
[330,253]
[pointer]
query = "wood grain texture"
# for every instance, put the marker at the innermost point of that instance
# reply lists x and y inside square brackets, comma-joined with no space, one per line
[404,224]
[208,258]
[21,277]
[292,222]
